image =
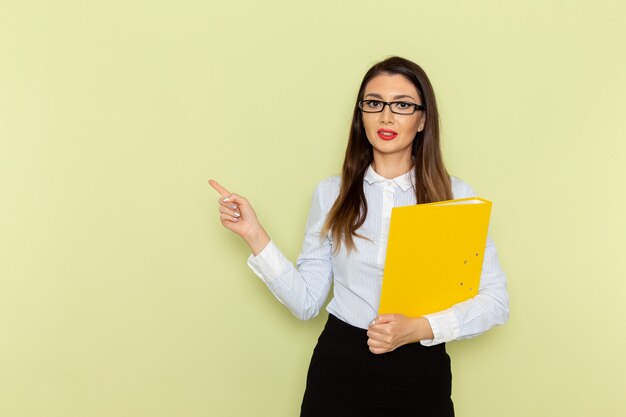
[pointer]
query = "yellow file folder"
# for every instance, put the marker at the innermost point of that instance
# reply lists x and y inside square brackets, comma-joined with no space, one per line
[434,255]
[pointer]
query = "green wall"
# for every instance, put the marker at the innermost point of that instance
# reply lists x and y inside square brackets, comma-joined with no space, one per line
[122,295]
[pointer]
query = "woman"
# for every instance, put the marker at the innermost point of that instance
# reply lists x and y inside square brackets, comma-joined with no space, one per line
[367,364]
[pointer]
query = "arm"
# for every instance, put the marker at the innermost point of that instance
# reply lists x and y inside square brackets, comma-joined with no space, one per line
[302,288]
[490,307]
[470,318]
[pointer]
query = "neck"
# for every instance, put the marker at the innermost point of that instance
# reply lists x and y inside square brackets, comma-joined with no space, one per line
[392,165]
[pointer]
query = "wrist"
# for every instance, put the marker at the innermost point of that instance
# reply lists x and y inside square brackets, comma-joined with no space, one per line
[256,238]
[422,329]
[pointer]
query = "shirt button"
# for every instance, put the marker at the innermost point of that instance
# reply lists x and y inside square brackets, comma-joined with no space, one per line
[389,182]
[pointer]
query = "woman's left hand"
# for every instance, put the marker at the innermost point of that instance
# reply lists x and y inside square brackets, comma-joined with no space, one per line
[390,331]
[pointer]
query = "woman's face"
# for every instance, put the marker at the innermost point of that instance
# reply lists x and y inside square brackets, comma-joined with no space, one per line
[391,133]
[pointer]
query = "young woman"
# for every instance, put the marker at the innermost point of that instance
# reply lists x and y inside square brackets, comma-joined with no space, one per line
[367,364]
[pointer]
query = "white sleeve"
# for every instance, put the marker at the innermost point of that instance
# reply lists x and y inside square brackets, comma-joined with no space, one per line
[302,288]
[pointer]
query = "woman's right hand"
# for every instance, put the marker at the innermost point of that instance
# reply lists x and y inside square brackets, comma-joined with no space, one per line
[237,215]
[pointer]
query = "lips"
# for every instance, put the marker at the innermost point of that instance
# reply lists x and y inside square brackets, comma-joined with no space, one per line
[386,134]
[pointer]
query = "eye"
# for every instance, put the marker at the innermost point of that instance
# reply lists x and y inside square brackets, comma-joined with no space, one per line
[404,105]
[374,104]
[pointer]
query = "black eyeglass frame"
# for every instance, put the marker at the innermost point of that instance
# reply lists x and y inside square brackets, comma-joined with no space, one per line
[416,107]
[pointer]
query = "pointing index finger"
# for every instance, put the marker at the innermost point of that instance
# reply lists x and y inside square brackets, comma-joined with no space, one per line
[223,191]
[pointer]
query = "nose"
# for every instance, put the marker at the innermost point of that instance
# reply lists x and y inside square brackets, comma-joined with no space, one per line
[386,116]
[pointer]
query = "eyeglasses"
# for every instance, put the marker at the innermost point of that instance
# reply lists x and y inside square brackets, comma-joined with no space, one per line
[397,107]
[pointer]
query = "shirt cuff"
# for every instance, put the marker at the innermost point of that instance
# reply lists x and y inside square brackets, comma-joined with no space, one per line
[445,327]
[268,264]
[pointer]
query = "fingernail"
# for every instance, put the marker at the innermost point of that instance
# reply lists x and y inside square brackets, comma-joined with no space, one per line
[373,322]
[232,206]
[236,214]
[225,199]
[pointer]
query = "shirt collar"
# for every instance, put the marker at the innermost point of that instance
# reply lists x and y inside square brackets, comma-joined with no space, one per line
[404,181]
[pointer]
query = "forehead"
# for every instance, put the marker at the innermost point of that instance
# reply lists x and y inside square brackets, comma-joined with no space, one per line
[391,85]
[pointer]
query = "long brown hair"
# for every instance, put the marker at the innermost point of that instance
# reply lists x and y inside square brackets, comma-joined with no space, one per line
[432,182]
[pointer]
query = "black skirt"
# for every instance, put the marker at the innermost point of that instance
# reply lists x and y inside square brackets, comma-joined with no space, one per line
[345,379]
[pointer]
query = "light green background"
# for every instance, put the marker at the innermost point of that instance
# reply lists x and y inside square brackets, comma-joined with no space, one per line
[122,295]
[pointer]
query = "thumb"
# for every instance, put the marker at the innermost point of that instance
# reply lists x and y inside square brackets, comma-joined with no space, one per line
[384,318]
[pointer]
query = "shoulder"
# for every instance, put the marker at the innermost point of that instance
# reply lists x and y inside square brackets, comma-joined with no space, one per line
[328,188]
[461,189]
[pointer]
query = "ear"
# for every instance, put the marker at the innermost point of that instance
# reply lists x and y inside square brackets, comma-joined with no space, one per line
[422,122]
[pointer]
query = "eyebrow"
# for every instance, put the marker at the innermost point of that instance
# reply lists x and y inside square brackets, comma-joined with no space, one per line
[401,96]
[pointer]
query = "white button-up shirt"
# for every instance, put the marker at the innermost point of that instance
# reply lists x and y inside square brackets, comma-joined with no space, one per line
[357,277]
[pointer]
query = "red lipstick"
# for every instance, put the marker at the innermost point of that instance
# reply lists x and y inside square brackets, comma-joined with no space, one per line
[386,134]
